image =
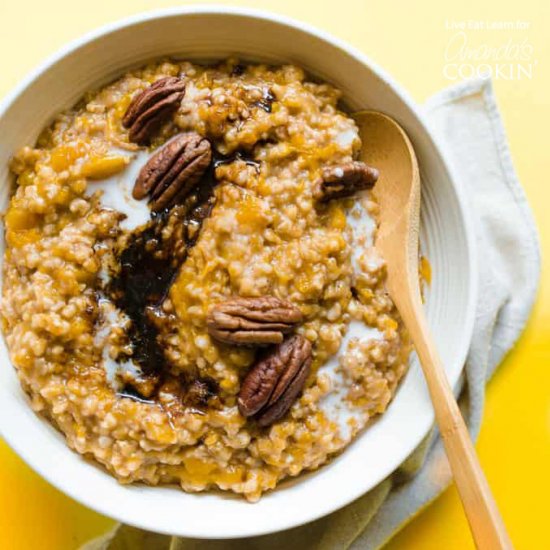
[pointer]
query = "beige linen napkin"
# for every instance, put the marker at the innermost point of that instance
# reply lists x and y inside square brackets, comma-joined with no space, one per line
[466,122]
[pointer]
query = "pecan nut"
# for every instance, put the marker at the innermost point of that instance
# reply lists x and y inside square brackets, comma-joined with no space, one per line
[344,180]
[173,171]
[247,321]
[274,382]
[151,107]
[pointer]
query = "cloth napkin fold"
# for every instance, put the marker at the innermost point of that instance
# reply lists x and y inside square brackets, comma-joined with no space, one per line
[466,122]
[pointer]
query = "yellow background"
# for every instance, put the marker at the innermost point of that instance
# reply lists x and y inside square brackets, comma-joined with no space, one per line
[409,40]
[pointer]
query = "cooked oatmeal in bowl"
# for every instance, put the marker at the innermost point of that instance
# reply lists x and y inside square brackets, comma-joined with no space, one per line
[190,289]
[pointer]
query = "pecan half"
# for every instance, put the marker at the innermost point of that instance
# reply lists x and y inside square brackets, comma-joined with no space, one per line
[151,107]
[274,382]
[174,170]
[344,180]
[246,321]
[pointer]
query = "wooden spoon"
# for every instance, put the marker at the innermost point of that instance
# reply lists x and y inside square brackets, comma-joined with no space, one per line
[387,148]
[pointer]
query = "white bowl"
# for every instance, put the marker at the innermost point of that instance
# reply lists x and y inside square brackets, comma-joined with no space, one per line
[216,32]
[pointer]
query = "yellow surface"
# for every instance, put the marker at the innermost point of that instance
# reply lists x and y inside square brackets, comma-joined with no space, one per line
[409,39]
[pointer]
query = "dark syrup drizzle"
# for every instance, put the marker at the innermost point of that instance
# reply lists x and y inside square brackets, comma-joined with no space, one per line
[142,283]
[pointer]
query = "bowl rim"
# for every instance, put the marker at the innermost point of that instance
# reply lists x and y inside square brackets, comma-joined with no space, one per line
[33,460]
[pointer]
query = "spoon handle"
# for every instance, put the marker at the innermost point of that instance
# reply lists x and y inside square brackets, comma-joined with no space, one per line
[485,521]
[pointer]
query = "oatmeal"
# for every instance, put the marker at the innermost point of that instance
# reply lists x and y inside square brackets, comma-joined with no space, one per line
[190,289]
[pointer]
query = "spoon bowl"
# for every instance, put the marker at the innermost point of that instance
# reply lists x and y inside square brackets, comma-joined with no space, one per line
[387,147]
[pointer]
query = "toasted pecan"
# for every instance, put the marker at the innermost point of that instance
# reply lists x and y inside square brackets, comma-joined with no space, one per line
[252,321]
[151,107]
[272,385]
[174,170]
[344,180]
